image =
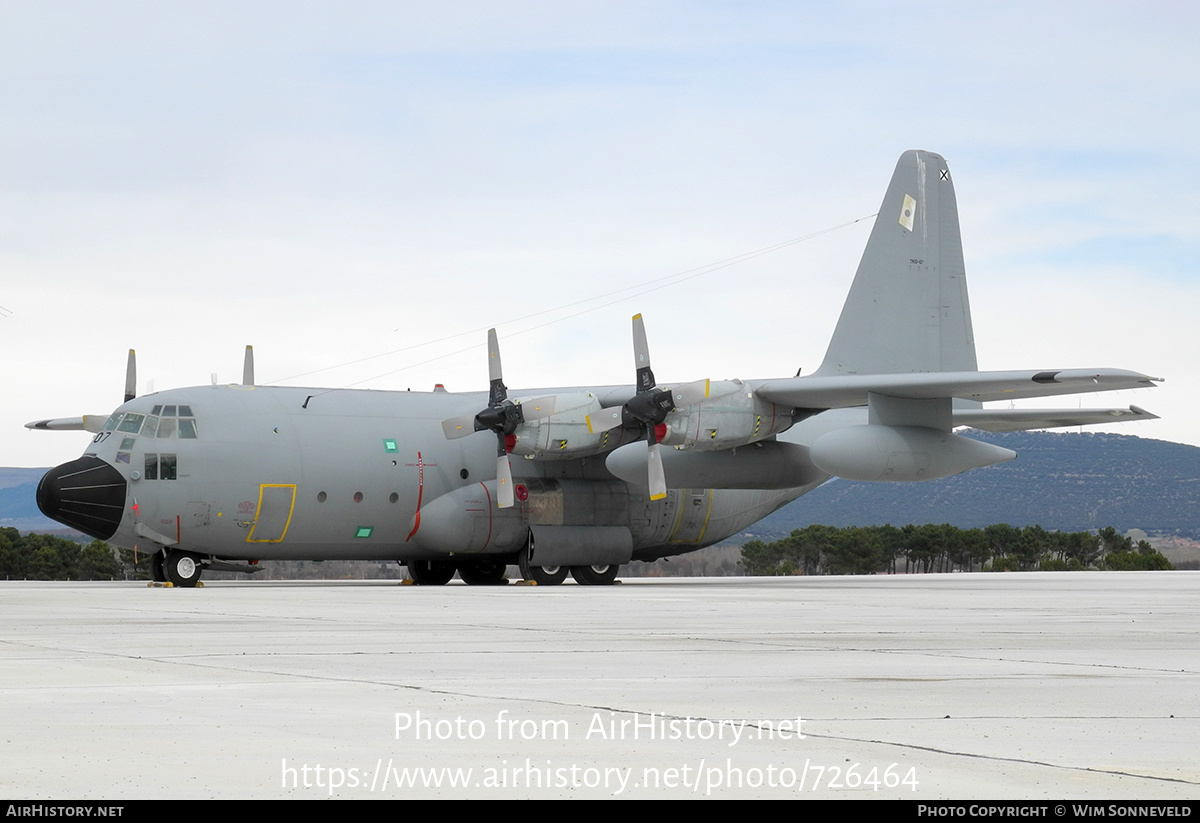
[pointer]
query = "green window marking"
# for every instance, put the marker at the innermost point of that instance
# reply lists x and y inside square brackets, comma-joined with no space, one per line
[389,445]
[364,531]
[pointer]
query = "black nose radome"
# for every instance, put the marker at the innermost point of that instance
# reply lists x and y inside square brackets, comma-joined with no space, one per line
[86,494]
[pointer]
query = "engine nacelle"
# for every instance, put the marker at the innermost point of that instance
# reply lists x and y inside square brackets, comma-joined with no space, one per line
[732,416]
[564,435]
[901,453]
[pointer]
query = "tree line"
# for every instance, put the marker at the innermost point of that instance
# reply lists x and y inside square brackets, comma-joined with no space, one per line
[47,557]
[812,550]
[945,548]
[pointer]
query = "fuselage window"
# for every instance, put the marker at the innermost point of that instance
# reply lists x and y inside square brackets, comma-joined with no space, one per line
[160,467]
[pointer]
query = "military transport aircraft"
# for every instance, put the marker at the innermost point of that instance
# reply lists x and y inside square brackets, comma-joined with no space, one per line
[220,477]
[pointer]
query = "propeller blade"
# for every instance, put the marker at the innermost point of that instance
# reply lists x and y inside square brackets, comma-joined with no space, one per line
[457,427]
[498,392]
[93,423]
[604,419]
[248,367]
[689,394]
[131,376]
[657,477]
[641,355]
[538,407]
[504,483]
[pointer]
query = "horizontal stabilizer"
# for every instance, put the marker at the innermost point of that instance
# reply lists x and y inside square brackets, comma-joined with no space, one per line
[845,390]
[1012,420]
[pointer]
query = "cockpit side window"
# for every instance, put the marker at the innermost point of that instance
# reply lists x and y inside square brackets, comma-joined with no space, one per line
[131,423]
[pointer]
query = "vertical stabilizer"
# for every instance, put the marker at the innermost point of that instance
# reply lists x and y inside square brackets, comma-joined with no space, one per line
[908,310]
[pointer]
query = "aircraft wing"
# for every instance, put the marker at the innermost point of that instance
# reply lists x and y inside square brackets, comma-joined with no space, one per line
[839,391]
[1011,420]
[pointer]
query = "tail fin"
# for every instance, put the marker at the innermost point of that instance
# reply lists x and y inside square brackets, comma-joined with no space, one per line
[907,310]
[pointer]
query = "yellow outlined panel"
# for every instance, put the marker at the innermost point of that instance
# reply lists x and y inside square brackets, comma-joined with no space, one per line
[689,527]
[276,502]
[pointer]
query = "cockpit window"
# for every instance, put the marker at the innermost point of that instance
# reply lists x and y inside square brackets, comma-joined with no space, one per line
[132,423]
[162,423]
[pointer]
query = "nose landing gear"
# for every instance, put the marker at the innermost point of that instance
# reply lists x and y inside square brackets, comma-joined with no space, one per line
[182,569]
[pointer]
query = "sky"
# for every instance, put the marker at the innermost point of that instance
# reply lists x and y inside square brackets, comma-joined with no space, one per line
[360,190]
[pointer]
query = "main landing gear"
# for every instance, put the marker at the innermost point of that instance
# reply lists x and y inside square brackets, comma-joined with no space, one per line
[543,575]
[483,572]
[431,572]
[595,575]
[491,572]
[472,572]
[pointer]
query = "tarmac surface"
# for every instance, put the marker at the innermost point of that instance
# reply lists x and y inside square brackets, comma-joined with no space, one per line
[984,686]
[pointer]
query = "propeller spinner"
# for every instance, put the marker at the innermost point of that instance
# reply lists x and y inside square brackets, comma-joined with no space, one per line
[649,408]
[501,416]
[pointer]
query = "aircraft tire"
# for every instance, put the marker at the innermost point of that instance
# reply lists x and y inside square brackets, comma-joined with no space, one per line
[541,575]
[595,575]
[182,569]
[483,572]
[158,572]
[544,575]
[430,572]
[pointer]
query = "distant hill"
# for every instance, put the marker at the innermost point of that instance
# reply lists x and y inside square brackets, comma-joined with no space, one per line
[1064,481]
[18,508]
[1061,481]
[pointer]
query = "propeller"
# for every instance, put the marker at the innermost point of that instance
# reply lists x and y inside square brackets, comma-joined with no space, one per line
[648,408]
[131,376]
[501,416]
[92,422]
[248,367]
